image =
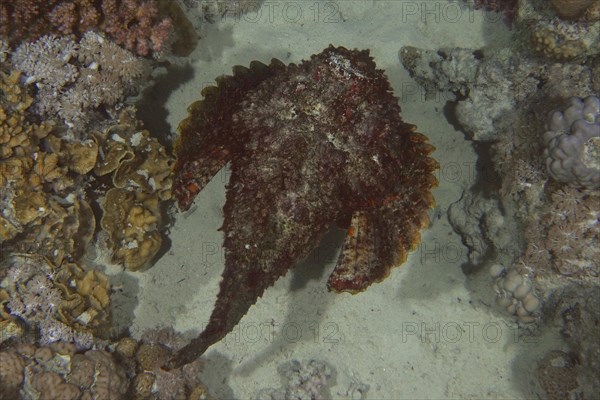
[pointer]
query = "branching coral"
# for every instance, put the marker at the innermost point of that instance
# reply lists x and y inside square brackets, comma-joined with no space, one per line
[73,78]
[135,24]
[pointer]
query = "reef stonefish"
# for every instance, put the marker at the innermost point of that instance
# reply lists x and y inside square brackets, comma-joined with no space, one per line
[310,145]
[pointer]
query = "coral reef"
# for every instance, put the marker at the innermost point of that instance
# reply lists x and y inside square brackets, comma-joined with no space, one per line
[59,371]
[565,239]
[126,369]
[573,370]
[37,170]
[559,40]
[302,381]
[73,78]
[134,158]
[134,24]
[131,219]
[515,292]
[45,171]
[536,226]
[64,302]
[557,376]
[559,30]
[353,159]
[153,382]
[141,173]
[487,85]
[484,229]
[573,143]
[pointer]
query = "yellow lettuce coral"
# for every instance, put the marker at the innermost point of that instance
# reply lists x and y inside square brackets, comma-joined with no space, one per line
[131,219]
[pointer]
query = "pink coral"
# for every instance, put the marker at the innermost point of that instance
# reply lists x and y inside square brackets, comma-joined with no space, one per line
[134,24]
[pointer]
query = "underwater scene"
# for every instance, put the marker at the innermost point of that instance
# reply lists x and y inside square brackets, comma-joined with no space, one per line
[299,199]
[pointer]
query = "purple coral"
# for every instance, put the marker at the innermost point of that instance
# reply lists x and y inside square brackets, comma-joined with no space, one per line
[573,143]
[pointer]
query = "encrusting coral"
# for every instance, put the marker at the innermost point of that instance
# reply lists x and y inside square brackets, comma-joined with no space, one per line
[560,40]
[135,24]
[560,30]
[74,78]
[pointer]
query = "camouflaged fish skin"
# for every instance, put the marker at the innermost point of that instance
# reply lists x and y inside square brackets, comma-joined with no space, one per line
[309,145]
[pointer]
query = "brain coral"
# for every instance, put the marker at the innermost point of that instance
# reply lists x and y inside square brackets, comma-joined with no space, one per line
[573,143]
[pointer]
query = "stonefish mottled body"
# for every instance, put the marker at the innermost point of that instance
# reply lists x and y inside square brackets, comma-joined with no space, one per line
[310,145]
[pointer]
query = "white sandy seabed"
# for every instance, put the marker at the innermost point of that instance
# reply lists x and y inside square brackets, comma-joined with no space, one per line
[417,335]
